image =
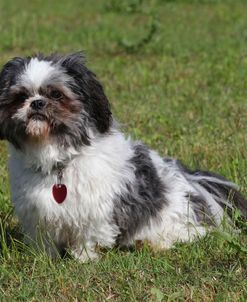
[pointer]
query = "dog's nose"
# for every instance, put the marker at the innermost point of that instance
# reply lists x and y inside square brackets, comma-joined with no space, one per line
[38,104]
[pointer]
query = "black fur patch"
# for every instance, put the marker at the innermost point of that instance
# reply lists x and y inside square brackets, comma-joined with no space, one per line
[8,77]
[223,191]
[201,209]
[230,194]
[72,134]
[88,88]
[144,198]
[10,72]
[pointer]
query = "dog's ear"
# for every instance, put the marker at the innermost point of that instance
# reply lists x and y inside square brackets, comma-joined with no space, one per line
[90,90]
[10,72]
[8,76]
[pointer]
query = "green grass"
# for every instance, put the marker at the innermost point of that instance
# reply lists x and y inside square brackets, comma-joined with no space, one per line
[176,75]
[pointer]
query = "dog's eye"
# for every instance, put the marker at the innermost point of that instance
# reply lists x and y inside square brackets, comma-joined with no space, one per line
[56,94]
[21,97]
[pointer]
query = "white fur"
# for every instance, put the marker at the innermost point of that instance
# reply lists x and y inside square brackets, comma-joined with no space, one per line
[92,178]
[37,72]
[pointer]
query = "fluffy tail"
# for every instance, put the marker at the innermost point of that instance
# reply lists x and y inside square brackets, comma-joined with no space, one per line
[216,189]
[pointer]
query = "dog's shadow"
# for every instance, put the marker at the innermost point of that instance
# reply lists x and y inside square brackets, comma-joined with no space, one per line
[10,233]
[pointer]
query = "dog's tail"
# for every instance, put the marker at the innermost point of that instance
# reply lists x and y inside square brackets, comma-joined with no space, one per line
[216,189]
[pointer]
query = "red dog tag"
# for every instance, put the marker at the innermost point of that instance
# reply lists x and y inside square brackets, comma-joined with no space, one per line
[59,192]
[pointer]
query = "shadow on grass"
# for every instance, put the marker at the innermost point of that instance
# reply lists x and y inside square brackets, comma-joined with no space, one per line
[10,233]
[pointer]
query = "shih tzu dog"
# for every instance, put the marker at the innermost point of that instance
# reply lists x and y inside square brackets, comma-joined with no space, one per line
[78,181]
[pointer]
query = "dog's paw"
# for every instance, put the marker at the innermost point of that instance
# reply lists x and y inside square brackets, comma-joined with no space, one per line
[84,254]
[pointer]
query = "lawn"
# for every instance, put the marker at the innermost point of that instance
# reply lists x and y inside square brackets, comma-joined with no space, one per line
[176,75]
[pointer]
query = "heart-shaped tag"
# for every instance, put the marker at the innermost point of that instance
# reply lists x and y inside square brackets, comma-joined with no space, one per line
[59,192]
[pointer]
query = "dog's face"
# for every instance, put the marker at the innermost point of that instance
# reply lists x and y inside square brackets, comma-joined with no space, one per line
[51,98]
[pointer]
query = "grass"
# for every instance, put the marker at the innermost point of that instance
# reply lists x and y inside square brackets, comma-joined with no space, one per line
[176,75]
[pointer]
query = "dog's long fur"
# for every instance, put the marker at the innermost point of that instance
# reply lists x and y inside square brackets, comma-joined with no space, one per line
[119,191]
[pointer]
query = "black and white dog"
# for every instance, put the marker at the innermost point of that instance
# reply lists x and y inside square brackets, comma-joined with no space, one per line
[79,181]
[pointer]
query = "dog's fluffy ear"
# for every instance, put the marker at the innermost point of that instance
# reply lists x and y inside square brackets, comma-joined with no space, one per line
[89,89]
[10,72]
[8,76]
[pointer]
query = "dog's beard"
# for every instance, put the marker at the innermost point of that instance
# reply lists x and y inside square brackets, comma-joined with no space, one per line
[38,129]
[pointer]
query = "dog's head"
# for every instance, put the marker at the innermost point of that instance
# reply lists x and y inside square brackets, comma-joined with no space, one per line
[51,98]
